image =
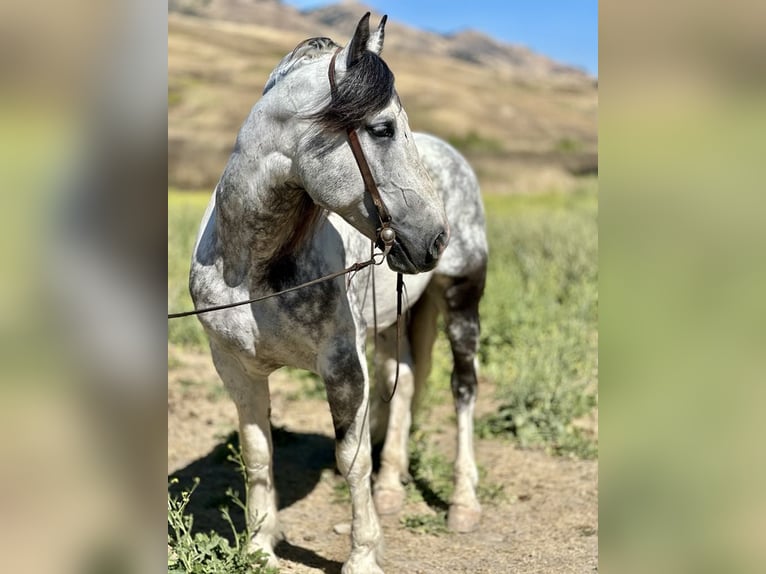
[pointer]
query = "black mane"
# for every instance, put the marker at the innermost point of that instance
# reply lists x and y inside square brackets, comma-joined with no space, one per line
[365,89]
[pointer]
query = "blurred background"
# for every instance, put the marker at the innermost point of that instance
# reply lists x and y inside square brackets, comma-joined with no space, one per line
[526,121]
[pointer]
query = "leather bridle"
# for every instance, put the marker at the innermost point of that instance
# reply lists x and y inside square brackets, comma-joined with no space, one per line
[385,233]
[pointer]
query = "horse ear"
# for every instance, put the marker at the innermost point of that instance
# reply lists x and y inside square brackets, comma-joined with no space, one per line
[375,43]
[358,44]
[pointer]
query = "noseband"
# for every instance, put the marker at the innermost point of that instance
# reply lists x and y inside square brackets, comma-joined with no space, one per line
[386,235]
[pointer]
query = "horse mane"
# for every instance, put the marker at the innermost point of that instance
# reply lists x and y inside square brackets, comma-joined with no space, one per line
[364,89]
[303,53]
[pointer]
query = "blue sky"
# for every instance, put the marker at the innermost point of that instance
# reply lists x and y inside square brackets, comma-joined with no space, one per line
[565,30]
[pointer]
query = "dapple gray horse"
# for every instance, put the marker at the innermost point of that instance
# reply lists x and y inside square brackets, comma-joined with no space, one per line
[292,206]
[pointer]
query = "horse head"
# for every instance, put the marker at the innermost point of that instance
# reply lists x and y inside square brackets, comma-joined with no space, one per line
[322,106]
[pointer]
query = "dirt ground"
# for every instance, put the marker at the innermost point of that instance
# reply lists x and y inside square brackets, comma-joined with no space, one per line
[545,522]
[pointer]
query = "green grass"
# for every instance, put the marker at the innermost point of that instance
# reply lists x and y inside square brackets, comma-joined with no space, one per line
[472,142]
[426,523]
[433,483]
[539,314]
[211,553]
[567,145]
[185,211]
[539,318]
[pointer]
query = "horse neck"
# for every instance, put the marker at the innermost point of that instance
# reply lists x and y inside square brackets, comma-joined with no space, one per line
[262,212]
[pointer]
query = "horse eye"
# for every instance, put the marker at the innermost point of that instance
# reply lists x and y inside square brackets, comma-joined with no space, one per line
[385,130]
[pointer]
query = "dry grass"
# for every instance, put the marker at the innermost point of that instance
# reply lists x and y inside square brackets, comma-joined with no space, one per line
[216,71]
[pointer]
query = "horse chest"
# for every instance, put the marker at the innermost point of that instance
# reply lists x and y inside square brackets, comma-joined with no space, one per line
[287,330]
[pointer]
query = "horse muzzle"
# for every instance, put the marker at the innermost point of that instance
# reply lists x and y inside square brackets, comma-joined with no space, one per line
[404,259]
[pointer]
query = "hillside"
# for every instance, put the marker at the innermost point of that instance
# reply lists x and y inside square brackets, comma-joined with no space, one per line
[524,120]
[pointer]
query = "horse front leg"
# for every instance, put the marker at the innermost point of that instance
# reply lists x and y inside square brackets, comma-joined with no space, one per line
[250,393]
[462,322]
[344,371]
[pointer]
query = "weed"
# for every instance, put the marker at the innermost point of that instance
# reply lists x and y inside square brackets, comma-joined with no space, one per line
[211,553]
[426,523]
[431,472]
[539,323]
[473,142]
[489,493]
[184,215]
[188,383]
[340,492]
[568,145]
[433,476]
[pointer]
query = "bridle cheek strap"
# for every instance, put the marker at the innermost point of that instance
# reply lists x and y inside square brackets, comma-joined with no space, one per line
[385,233]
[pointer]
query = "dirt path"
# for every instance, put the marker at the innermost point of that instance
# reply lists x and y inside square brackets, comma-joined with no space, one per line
[546,521]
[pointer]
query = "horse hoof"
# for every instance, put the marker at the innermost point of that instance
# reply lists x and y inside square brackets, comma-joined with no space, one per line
[266,550]
[349,568]
[463,518]
[272,562]
[389,501]
[365,564]
[271,558]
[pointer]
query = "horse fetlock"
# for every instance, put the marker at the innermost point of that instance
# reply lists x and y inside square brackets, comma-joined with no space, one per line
[257,472]
[467,473]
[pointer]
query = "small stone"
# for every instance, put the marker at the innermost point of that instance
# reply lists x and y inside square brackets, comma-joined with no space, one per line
[309,538]
[342,528]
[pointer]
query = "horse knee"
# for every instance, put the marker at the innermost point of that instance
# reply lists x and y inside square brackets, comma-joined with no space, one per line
[462,297]
[464,339]
[345,399]
[345,384]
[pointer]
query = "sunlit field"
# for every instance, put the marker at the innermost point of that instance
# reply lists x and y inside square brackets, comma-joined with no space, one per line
[539,314]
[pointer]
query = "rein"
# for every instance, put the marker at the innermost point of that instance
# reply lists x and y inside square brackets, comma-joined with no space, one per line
[350,269]
[385,234]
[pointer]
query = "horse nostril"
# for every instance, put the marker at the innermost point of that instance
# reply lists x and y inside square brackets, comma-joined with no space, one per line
[439,245]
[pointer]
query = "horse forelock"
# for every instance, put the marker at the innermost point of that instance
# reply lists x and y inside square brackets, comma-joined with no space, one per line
[365,89]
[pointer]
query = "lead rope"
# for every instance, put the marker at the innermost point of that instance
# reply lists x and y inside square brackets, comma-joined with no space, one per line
[355,268]
[399,288]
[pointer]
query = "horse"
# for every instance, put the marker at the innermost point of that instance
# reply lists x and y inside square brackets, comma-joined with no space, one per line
[293,204]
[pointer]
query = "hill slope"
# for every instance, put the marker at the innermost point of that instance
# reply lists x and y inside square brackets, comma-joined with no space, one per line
[517,115]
